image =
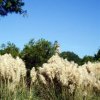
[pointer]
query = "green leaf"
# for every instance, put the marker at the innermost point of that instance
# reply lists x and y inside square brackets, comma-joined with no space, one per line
[0,1]
[8,4]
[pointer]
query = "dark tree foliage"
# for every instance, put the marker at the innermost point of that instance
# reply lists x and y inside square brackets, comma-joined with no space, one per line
[97,56]
[87,59]
[36,53]
[11,6]
[71,56]
[10,48]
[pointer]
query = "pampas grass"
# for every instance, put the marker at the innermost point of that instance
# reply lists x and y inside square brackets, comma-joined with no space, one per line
[58,79]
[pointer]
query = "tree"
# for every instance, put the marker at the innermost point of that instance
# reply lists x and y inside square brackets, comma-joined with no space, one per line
[97,56]
[10,48]
[11,6]
[71,56]
[36,53]
[87,59]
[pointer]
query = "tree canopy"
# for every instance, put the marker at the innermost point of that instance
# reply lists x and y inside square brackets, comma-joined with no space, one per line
[10,48]
[36,53]
[97,55]
[11,6]
[87,59]
[71,56]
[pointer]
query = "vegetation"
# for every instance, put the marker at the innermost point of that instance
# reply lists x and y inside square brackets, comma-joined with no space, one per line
[40,72]
[11,6]
[35,53]
[86,59]
[10,48]
[71,56]
[58,79]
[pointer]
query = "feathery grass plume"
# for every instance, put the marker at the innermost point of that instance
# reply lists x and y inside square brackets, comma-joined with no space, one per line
[12,71]
[56,75]
[61,79]
[33,75]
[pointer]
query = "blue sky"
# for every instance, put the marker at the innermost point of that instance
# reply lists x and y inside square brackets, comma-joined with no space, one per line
[75,24]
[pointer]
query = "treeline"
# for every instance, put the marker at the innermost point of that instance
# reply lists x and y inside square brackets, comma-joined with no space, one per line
[35,53]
